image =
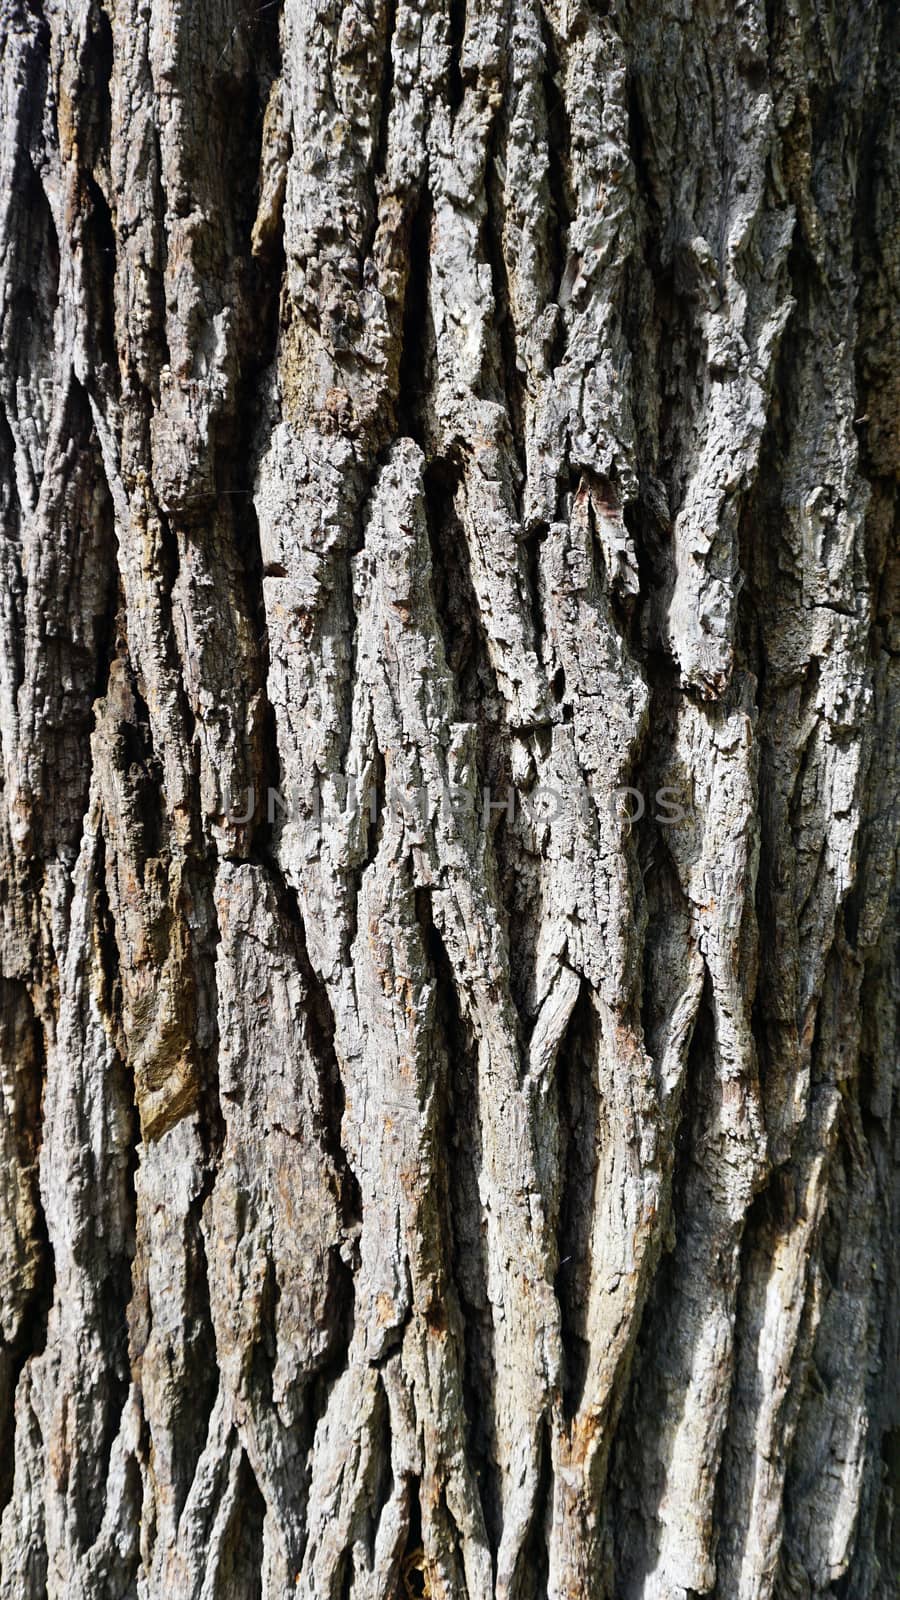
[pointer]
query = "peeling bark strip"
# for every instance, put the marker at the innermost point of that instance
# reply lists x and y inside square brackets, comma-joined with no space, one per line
[469,1200]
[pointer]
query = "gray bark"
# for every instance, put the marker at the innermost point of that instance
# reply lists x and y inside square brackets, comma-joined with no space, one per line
[443,1180]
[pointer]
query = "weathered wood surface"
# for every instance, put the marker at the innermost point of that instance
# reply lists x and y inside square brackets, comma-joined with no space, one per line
[405,1198]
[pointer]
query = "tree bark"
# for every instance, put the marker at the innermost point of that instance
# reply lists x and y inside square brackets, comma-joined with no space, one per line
[448,703]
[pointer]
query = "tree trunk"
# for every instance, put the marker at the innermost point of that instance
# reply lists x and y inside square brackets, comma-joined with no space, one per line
[451,1105]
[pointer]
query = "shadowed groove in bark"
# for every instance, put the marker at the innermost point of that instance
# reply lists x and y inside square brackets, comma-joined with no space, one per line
[759,537]
[22,1047]
[456,32]
[580,1130]
[195,1398]
[640,1464]
[559,150]
[95,75]
[67,635]
[383,1487]
[14,596]
[465,639]
[242,1552]
[101,266]
[535,539]
[460,1134]
[417,337]
[649,519]
[669,354]
[384,119]
[536,1556]
[319,1018]
[509,377]
[99,238]
[29,325]
[412,1577]
[234,466]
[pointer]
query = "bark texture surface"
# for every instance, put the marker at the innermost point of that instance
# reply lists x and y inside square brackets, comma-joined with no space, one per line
[438,1181]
